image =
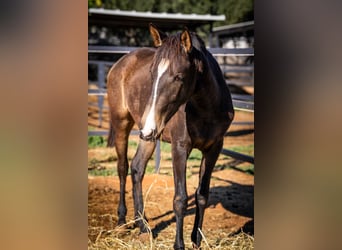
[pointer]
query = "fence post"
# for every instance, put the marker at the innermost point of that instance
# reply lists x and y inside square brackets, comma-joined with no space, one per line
[157,157]
[101,85]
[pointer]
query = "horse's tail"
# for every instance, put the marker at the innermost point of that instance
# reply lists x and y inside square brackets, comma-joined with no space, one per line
[111,136]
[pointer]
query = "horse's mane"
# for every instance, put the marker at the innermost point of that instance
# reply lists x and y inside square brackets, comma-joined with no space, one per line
[199,53]
[197,42]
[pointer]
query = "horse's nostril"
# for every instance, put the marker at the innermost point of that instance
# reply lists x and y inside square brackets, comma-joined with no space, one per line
[150,137]
[141,135]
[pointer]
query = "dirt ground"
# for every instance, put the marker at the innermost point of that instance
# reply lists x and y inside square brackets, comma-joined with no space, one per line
[231,203]
[230,206]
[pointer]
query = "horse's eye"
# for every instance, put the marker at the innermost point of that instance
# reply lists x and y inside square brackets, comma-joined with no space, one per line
[178,78]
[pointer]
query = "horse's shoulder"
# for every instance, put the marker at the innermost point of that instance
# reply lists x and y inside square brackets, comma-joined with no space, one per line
[134,58]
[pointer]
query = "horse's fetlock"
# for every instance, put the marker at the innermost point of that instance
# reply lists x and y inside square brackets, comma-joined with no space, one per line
[122,211]
[179,245]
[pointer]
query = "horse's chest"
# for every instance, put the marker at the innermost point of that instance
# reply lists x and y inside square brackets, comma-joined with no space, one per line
[205,133]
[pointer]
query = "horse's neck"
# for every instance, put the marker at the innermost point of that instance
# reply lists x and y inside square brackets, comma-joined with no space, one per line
[212,94]
[207,95]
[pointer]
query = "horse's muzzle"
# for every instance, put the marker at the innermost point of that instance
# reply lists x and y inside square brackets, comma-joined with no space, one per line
[149,137]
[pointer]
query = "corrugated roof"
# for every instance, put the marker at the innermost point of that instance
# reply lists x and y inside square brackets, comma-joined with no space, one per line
[162,15]
[234,27]
[124,18]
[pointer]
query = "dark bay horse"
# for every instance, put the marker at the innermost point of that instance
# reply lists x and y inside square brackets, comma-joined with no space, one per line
[175,92]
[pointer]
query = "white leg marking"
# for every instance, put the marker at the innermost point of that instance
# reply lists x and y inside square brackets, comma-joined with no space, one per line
[150,123]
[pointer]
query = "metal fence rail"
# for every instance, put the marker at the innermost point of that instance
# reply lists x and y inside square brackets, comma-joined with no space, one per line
[92,49]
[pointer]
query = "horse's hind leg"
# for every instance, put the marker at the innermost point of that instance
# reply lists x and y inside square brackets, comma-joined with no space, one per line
[202,193]
[121,129]
[139,162]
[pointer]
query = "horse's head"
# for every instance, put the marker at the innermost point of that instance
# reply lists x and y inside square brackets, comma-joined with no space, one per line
[173,72]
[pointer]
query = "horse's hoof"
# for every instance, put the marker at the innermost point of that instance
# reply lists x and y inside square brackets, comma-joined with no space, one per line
[194,246]
[121,222]
[123,226]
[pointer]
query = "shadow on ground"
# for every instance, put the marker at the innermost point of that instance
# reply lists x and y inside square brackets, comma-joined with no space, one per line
[236,198]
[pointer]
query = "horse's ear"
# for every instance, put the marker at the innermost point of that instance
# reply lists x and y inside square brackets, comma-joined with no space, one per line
[186,40]
[157,35]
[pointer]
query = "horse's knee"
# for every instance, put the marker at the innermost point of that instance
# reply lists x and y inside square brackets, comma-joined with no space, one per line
[180,204]
[137,174]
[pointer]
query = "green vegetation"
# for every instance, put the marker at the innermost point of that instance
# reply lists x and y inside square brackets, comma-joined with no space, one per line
[149,169]
[195,155]
[249,169]
[235,11]
[165,147]
[104,164]
[132,144]
[248,150]
[98,170]
[103,172]
[96,141]
[245,168]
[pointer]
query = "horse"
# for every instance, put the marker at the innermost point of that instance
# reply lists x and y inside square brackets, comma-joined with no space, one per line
[175,92]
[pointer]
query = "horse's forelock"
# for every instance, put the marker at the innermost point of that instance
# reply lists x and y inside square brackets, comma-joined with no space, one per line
[173,50]
[170,49]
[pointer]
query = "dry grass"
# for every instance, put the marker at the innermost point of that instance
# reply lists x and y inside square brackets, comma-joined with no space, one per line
[128,237]
[123,238]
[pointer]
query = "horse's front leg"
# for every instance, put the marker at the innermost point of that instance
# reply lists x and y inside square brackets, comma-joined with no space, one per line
[139,162]
[209,159]
[180,152]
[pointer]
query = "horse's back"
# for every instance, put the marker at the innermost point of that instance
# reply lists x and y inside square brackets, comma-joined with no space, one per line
[129,84]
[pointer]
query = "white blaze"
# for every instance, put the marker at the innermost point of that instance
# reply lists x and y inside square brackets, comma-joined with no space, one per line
[150,123]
